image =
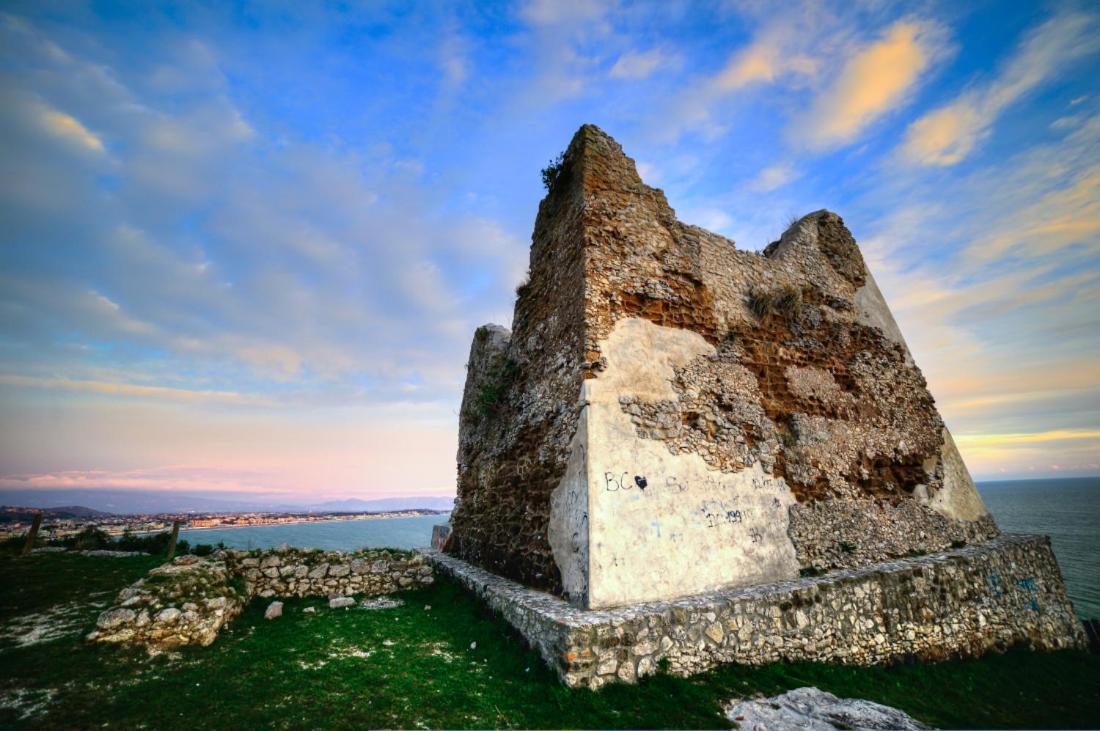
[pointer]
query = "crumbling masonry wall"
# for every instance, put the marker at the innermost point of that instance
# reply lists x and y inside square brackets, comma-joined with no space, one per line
[672,415]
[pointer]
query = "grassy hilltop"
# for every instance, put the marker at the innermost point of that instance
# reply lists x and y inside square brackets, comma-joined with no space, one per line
[438,660]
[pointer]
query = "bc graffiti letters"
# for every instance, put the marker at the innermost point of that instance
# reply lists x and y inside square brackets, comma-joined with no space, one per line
[613,483]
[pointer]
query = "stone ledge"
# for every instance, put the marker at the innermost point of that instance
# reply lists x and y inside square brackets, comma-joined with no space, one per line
[957,603]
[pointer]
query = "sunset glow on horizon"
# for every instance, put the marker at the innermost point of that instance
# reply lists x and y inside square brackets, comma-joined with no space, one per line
[245,248]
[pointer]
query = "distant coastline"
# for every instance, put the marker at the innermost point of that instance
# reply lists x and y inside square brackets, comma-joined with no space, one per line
[322,518]
[337,534]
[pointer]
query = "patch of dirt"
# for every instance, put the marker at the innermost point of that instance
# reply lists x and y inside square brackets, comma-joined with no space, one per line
[27,703]
[59,621]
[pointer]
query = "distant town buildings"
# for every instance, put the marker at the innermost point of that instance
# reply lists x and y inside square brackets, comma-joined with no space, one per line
[56,524]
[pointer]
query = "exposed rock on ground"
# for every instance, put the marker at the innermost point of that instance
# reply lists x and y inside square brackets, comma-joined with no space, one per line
[816,710]
[185,602]
[274,610]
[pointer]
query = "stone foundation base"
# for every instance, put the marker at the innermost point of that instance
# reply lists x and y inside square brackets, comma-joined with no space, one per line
[958,603]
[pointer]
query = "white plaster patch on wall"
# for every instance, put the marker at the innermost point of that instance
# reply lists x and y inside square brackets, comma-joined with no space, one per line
[568,527]
[664,525]
[873,311]
[959,497]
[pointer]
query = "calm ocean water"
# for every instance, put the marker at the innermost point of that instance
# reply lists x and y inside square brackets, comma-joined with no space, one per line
[1066,510]
[340,535]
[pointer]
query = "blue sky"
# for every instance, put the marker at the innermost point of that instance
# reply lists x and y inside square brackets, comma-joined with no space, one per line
[245,246]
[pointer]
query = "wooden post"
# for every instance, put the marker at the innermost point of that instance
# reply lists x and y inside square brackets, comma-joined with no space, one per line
[172,540]
[32,534]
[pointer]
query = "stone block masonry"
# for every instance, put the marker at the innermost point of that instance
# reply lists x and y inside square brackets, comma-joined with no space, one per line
[959,603]
[189,600]
[306,572]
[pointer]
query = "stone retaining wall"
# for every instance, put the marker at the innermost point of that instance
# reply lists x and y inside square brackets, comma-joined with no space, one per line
[958,603]
[312,572]
[188,601]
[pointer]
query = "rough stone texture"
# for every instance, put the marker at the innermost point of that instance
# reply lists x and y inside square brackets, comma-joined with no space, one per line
[185,602]
[288,572]
[958,603]
[610,470]
[440,534]
[188,601]
[816,710]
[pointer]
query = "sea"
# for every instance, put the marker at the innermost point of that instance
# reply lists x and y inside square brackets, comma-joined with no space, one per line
[331,535]
[1067,510]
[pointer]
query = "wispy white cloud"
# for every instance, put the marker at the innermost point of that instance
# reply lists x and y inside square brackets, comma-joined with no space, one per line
[173,478]
[131,389]
[790,50]
[324,247]
[69,128]
[641,64]
[564,12]
[947,135]
[772,177]
[454,61]
[291,251]
[992,276]
[876,80]
[1053,202]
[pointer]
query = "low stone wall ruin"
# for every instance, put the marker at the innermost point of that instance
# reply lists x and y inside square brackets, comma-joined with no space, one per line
[185,602]
[959,603]
[188,601]
[311,572]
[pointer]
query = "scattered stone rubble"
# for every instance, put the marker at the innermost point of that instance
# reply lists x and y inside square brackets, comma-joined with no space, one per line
[185,602]
[188,601]
[815,710]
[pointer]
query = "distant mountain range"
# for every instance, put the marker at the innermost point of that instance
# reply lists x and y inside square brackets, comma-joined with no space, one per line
[22,514]
[159,501]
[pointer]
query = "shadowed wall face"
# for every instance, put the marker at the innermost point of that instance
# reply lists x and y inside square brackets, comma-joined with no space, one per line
[741,416]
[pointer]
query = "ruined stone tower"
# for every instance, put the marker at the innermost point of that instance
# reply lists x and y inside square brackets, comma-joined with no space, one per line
[671,415]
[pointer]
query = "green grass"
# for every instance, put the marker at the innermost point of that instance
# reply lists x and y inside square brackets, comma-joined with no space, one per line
[414,667]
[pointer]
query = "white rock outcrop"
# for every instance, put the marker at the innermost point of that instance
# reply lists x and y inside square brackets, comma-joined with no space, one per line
[816,710]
